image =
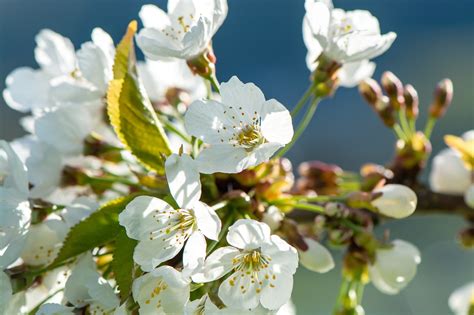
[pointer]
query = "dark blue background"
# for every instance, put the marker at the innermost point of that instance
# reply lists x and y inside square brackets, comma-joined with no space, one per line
[261,42]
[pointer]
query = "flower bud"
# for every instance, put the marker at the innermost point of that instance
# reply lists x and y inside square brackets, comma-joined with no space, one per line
[411,101]
[396,201]
[394,267]
[370,91]
[393,88]
[316,257]
[443,96]
[384,109]
[273,217]
[319,177]
[466,237]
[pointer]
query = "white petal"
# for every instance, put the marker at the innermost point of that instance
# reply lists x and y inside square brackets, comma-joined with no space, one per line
[284,256]
[54,53]
[81,208]
[351,74]
[207,120]
[312,44]
[183,180]
[165,287]
[469,196]
[94,65]
[233,296]
[273,218]
[66,89]
[194,252]
[207,220]
[197,39]
[138,217]
[156,45]
[277,125]
[154,17]
[237,94]
[150,253]
[12,170]
[103,40]
[248,234]
[223,158]
[274,297]
[26,89]
[217,265]
[448,173]
[5,292]
[316,258]
[461,299]
[318,17]
[54,309]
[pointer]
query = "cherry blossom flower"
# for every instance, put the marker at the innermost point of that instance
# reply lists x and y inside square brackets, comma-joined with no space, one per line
[15,212]
[394,267]
[261,267]
[242,131]
[184,32]
[162,291]
[161,230]
[350,38]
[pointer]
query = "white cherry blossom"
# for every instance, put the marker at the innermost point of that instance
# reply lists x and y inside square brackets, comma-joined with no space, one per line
[350,38]
[161,230]
[162,291]
[15,212]
[394,267]
[85,287]
[184,32]
[261,267]
[54,309]
[461,301]
[241,131]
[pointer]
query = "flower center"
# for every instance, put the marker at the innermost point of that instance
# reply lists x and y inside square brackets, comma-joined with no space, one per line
[253,261]
[250,137]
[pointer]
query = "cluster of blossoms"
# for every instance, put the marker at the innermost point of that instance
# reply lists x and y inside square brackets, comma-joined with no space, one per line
[204,216]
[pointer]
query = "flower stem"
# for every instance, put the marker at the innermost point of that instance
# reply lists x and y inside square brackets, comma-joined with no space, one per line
[404,122]
[399,132]
[213,80]
[302,126]
[302,101]
[171,128]
[429,127]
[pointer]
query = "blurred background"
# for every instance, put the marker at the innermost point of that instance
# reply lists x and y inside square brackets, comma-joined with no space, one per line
[261,42]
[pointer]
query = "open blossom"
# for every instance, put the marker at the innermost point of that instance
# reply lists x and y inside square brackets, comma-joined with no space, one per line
[15,212]
[162,291]
[350,38]
[452,168]
[85,287]
[184,32]
[242,131]
[461,301]
[261,267]
[394,267]
[161,230]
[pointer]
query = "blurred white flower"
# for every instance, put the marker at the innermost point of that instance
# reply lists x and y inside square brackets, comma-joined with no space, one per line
[79,209]
[85,287]
[394,267]
[273,217]
[161,230]
[54,309]
[316,258]
[184,32]
[350,38]
[159,77]
[449,173]
[43,241]
[162,291]
[15,212]
[242,131]
[397,201]
[261,266]
[461,301]
[10,303]
[469,196]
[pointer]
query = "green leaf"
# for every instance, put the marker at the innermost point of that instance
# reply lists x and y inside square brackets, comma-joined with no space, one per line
[131,112]
[122,264]
[99,228]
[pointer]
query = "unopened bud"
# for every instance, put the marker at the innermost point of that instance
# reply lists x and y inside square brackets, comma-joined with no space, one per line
[411,101]
[385,111]
[443,96]
[393,87]
[466,237]
[370,91]
[396,201]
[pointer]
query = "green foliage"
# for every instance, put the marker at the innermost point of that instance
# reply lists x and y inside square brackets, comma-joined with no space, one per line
[130,111]
[98,229]
[122,263]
